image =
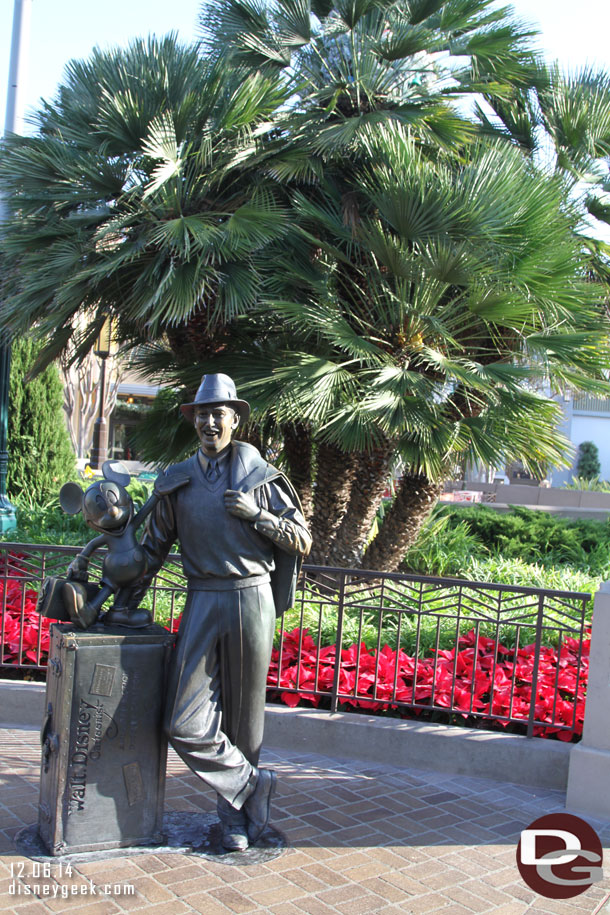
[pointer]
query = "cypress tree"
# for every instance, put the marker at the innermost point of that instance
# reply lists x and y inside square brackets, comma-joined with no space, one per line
[41,458]
[588,466]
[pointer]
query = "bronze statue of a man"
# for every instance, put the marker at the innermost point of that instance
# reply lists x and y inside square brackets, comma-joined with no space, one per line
[242,537]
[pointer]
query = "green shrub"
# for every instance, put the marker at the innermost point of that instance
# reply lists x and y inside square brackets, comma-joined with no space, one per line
[40,453]
[472,543]
[533,575]
[536,536]
[140,490]
[588,485]
[440,627]
[443,547]
[46,522]
[587,465]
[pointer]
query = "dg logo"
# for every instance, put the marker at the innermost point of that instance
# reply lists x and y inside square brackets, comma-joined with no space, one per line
[560,856]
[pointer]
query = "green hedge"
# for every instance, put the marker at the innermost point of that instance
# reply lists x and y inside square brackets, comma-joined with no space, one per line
[530,536]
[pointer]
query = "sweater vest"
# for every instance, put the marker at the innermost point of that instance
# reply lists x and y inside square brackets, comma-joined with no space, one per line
[219,551]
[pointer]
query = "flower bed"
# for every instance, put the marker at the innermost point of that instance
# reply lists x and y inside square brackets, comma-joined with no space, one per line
[482,678]
[21,644]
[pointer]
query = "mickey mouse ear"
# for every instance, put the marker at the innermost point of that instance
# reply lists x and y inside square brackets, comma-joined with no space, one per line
[116,472]
[71,498]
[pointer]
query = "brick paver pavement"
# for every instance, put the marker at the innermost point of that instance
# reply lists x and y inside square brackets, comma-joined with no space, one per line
[362,838]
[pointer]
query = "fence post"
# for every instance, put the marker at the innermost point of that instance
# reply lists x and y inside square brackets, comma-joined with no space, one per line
[534,692]
[334,698]
[589,772]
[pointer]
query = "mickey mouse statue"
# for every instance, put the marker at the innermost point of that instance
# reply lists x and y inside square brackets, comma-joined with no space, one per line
[108,508]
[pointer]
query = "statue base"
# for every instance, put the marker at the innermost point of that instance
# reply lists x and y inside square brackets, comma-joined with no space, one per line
[184,832]
[104,753]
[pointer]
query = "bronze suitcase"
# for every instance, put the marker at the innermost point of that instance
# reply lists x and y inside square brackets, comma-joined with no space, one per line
[102,776]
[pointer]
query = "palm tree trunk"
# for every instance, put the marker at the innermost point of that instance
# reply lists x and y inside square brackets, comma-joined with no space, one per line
[334,476]
[415,499]
[298,452]
[370,481]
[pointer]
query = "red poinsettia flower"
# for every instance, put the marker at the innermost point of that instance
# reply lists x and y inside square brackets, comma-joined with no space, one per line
[456,679]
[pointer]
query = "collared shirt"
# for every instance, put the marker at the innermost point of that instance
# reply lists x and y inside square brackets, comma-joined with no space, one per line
[221,459]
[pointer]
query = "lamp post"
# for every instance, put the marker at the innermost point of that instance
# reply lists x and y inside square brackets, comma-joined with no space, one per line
[103,348]
[13,124]
[8,516]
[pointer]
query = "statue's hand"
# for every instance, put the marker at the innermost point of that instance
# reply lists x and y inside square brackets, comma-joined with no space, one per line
[241,505]
[165,483]
[78,569]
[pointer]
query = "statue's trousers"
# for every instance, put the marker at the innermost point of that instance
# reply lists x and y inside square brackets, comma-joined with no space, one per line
[215,707]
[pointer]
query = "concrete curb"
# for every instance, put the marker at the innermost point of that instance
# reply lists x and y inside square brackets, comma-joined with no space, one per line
[460,751]
[21,704]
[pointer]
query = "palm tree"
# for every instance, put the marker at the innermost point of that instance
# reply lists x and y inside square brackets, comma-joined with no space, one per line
[465,288]
[353,59]
[351,67]
[421,335]
[306,208]
[359,70]
[563,120]
[136,199]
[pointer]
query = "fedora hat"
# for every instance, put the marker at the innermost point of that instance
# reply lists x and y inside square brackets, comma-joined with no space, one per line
[217,389]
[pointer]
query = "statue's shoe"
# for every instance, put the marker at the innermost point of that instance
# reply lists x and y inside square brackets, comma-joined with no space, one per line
[258,806]
[234,837]
[80,611]
[134,619]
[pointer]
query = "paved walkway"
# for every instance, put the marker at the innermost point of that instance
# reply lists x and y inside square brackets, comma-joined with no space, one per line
[362,838]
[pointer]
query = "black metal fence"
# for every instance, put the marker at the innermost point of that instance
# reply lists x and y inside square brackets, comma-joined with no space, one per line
[473,649]
[405,644]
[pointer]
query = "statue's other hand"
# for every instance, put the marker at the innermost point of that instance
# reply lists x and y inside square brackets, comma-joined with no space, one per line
[166,483]
[78,568]
[241,505]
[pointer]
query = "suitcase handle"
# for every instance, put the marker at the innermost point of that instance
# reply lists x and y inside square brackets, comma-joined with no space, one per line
[50,742]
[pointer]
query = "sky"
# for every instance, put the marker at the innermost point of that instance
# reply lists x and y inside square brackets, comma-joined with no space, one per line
[62,30]
[575,33]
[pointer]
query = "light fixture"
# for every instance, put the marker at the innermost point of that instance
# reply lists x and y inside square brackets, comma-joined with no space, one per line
[104,343]
[104,346]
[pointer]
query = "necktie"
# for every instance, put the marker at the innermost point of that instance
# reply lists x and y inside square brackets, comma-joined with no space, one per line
[213,471]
